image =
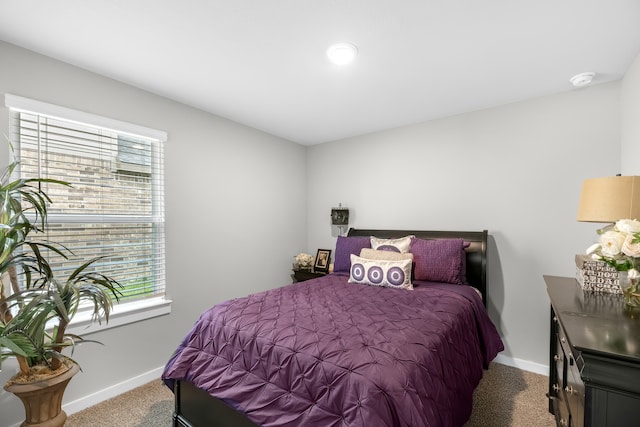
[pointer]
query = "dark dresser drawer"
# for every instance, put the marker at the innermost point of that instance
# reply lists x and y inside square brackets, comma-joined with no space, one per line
[594,358]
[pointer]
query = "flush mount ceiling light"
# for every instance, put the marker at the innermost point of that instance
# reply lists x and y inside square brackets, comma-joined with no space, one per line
[342,53]
[582,79]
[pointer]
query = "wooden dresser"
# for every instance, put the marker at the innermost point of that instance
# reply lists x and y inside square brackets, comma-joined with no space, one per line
[594,365]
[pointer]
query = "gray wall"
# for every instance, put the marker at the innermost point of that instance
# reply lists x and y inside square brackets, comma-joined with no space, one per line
[516,171]
[235,212]
[630,121]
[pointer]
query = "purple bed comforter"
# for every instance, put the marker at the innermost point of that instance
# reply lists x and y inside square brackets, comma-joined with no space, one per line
[330,353]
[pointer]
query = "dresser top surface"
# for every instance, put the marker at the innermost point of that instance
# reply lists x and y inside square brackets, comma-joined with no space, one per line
[597,323]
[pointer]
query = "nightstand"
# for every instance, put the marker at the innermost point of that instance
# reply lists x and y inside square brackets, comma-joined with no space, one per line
[302,275]
[594,358]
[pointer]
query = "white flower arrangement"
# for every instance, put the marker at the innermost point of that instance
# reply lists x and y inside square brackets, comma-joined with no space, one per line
[619,246]
[304,260]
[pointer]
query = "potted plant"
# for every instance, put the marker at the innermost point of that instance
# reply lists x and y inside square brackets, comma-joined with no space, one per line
[35,317]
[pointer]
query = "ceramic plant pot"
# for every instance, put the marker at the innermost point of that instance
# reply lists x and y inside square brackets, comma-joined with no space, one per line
[42,399]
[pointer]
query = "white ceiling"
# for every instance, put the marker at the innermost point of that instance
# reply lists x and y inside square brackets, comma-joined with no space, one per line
[263,63]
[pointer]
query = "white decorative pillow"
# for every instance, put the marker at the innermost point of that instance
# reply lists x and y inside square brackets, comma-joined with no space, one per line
[391,274]
[384,255]
[402,245]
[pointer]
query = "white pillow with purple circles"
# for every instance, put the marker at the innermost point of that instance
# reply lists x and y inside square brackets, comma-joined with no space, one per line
[390,274]
[402,244]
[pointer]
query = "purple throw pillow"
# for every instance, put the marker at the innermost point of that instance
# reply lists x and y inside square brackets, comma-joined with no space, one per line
[345,247]
[442,260]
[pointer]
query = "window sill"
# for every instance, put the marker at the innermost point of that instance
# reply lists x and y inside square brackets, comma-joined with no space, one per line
[122,314]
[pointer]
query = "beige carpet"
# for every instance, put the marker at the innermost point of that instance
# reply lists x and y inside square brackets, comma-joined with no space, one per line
[505,397]
[508,396]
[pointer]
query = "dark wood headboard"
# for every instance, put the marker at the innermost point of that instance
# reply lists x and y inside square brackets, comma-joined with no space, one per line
[476,252]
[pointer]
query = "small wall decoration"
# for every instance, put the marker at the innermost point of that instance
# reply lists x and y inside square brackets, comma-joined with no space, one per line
[323,258]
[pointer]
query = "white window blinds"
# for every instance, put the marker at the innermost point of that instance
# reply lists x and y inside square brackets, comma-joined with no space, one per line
[115,205]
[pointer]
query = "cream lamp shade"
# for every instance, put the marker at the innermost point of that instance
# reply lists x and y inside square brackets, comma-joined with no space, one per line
[609,199]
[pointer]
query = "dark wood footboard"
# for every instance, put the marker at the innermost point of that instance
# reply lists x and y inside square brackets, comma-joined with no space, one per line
[196,408]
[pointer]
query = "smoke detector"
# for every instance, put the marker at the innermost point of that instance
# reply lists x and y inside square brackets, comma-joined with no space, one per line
[582,79]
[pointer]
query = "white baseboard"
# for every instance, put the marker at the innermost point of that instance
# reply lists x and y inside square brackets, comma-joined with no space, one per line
[112,391]
[525,365]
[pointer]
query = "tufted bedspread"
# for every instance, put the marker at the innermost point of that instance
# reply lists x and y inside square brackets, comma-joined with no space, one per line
[330,353]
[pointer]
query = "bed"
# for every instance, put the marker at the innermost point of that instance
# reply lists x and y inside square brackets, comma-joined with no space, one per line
[329,352]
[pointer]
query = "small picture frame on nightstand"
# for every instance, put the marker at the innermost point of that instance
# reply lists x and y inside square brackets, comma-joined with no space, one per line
[323,259]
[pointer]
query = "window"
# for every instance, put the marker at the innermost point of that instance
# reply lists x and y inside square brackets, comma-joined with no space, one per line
[115,205]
